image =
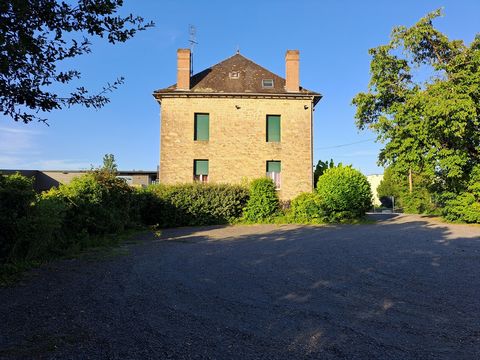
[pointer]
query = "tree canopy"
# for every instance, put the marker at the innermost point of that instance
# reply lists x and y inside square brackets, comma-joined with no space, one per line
[37,35]
[320,168]
[423,101]
[109,164]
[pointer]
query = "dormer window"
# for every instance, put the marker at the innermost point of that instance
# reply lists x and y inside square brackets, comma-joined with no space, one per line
[234,74]
[267,83]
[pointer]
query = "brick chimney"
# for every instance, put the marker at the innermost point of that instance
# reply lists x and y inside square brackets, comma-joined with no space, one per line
[183,69]
[292,76]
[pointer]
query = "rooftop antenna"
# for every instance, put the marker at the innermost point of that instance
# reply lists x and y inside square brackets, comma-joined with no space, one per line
[192,31]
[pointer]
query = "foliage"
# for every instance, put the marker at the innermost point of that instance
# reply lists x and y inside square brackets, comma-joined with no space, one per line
[344,193]
[263,203]
[465,207]
[390,185]
[16,198]
[307,208]
[430,126]
[42,234]
[109,164]
[419,201]
[320,169]
[73,217]
[98,204]
[39,36]
[190,204]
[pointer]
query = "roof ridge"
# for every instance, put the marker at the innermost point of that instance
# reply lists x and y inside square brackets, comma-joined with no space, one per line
[246,58]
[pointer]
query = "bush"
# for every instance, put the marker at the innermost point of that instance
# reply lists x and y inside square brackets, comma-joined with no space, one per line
[306,208]
[98,204]
[263,203]
[41,234]
[73,217]
[16,199]
[344,193]
[191,204]
[417,202]
[465,207]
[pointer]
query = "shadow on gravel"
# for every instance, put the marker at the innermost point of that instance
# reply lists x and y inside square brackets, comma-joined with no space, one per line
[402,288]
[379,217]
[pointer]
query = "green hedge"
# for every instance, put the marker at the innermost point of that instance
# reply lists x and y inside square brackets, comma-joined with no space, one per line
[190,204]
[16,199]
[59,221]
[263,203]
[307,208]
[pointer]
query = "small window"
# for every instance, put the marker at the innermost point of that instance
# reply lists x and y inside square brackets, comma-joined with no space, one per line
[200,170]
[234,75]
[267,83]
[273,128]
[202,125]
[274,170]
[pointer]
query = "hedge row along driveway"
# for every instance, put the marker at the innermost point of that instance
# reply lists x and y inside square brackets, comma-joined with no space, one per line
[403,288]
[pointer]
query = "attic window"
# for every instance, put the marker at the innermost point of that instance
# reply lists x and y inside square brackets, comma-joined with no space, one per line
[267,83]
[234,74]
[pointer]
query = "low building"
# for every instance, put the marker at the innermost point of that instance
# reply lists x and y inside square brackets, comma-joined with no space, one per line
[47,179]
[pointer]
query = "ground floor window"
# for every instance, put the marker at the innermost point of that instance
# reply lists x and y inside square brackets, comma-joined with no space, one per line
[200,170]
[274,170]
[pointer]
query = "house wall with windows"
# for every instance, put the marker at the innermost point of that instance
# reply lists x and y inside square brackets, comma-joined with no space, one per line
[236,121]
[237,146]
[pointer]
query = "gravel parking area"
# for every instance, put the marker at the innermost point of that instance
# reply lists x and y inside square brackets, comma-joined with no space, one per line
[406,287]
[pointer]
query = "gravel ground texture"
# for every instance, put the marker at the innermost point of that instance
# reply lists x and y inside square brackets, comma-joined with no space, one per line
[406,287]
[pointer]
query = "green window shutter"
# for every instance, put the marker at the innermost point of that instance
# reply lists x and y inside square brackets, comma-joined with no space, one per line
[200,167]
[273,128]
[202,125]
[274,166]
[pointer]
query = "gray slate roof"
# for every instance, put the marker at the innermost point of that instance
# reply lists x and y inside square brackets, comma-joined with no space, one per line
[219,79]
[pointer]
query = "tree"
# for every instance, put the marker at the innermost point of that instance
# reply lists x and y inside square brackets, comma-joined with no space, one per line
[430,126]
[395,184]
[36,36]
[321,167]
[109,164]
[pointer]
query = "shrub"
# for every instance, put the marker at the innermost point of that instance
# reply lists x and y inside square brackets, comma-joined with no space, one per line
[98,204]
[191,204]
[344,193]
[306,208]
[263,203]
[465,207]
[41,234]
[16,199]
[417,202]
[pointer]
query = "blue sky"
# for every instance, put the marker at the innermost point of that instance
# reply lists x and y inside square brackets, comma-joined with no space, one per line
[333,38]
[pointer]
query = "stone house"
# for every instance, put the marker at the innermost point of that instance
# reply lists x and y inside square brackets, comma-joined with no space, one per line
[237,121]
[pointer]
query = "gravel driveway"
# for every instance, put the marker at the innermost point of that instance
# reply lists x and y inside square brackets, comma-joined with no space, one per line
[403,288]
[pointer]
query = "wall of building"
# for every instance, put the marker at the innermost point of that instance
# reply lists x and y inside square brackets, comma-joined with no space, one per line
[237,147]
[374,181]
[47,179]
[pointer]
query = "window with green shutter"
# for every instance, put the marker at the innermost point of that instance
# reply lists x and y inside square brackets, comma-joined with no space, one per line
[273,128]
[200,170]
[202,125]
[274,166]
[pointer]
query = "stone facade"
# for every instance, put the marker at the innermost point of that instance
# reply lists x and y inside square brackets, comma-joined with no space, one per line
[237,149]
[238,95]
